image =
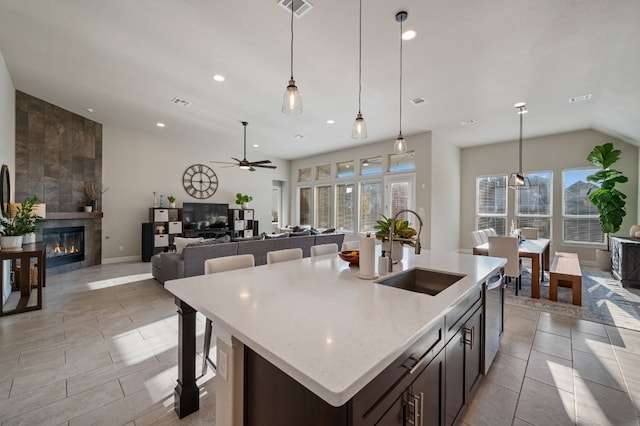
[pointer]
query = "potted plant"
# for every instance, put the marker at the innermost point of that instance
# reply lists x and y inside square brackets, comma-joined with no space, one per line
[243,200]
[401,230]
[172,201]
[608,201]
[23,222]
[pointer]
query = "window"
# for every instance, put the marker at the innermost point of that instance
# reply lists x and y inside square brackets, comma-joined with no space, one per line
[533,206]
[323,172]
[402,162]
[346,207]
[580,219]
[399,193]
[370,204]
[371,166]
[323,216]
[491,203]
[304,174]
[346,169]
[304,206]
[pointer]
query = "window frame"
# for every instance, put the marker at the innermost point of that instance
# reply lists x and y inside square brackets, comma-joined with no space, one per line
[502,216]
[596,216]
[548,217]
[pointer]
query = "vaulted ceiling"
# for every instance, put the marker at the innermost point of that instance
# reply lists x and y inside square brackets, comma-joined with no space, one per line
[471,61]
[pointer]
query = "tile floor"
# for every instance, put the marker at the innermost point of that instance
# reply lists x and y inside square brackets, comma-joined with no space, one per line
[103,351]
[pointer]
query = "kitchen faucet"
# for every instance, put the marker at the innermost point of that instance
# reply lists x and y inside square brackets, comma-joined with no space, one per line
[392,230]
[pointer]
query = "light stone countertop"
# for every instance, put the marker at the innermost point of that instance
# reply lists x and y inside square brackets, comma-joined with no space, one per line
[317,322]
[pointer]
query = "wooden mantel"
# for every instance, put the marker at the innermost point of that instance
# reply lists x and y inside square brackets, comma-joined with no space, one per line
[74,215]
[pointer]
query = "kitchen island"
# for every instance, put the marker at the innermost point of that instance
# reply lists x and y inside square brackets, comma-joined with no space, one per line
[314,321]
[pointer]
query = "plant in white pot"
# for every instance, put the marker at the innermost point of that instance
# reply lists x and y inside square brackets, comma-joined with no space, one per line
[401,230]
[243,200]
[607,199]
[19,224]
[172,201]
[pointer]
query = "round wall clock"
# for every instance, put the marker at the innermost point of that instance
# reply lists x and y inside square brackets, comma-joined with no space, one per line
[200,181]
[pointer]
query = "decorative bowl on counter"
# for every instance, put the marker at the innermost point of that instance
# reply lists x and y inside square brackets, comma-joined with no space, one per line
[351,256]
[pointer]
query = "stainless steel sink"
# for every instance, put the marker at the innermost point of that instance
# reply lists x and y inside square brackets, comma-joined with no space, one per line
[422,280]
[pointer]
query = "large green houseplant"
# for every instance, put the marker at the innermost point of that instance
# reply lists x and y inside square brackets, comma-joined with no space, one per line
[19,223]
[607,199]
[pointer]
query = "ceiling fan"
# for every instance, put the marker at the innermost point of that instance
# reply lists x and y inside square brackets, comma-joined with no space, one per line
[244,163]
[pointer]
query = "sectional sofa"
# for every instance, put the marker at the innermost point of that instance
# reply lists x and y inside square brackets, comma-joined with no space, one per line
[170,266]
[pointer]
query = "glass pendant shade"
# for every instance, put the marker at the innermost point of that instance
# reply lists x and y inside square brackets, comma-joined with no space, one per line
[518,180]
[400,147]
[291,102]
[359,130]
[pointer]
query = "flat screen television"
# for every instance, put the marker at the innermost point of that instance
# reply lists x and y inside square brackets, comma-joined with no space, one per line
[205,217]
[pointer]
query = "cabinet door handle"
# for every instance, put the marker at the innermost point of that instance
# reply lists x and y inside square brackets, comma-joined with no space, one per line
[469,336]
[416,409]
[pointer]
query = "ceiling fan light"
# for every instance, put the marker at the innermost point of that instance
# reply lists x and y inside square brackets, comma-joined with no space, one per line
[245,167]
[359,130]
[291,102]
[400,147]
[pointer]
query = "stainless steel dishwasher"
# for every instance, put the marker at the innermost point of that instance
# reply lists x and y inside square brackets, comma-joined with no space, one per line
[493,306]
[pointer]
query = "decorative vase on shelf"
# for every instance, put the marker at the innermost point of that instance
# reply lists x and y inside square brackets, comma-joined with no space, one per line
[11,242]
[244,206]
[29,238]
[88,209]
[172,205]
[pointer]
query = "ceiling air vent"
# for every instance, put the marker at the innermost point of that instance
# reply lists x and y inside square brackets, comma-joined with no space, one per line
[300,7]
[580,98]
[180,102]
[418,101]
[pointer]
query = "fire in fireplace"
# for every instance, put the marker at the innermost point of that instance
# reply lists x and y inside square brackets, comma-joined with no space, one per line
[64,245]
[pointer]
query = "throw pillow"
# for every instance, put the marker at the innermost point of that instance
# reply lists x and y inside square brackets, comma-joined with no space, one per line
[272,236]
[300,233]
[314,231]
[209,241]
[329,231]
[182,242]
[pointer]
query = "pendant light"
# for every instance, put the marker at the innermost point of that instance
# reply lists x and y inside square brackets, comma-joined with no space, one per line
[519,180]
[400,147]
[291,102]
[359,130]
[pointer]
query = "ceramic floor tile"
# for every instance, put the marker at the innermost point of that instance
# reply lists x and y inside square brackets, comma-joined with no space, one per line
[592,343]
[491,405]
[598,369]
[515,345]
[624,340]
[519,422]
[156,380]
[119,412]
[590,327]
[603,405]
[551,370]
[5,387]
[541,404]
[71,407]
[36,397]
[552,344]
[105,374]
[50,357]
[507,371]
[555,324]
[524,327]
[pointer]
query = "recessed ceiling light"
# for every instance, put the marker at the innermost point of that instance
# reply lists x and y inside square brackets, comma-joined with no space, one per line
[580,98]
[299,137]
[255,145]
[218,77]
[159,124]
[331,121]
[89,109]
[468,122]
[409,35]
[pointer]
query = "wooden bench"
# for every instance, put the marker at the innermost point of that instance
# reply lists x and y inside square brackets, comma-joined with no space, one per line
[565,272]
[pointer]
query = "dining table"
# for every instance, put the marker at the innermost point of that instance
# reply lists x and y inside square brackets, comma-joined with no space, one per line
[535,249]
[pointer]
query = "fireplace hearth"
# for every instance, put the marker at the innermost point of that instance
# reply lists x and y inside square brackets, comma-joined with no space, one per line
[64,245]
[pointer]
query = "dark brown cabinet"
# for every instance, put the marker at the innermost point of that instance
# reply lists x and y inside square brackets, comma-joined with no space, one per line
[464,365]
[625,260]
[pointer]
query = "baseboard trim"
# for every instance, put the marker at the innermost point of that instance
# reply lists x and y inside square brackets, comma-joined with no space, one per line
[120,259]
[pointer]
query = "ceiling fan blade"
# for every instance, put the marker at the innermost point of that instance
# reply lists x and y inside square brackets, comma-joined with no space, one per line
[237,160]
[230,165]
[251,169]
[264,166]
[260,162]
[222,162]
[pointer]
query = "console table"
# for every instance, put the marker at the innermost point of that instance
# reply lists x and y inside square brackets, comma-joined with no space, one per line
[22,261]
[625,260]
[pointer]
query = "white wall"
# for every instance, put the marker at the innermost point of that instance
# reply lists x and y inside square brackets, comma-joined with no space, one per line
[135,165]
[555,153]
[445,196]
[420,144]
[7,148]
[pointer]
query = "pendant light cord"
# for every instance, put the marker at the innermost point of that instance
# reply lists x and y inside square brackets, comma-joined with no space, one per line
[291,39]
[360,60]
[520,146]
[400,103]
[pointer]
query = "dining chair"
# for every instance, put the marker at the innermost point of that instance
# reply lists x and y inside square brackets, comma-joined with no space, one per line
[477,238]
[212,266]
[321,249]
[529,233]
[491,232]
[277,256]
[507,247]
[351,245]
